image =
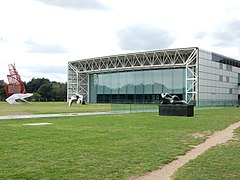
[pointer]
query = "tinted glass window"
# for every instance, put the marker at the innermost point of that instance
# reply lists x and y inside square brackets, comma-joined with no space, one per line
[136,86]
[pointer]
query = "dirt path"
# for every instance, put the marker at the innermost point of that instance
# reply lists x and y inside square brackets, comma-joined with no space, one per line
[168,170]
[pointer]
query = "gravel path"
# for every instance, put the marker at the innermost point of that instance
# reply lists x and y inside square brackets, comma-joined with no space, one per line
[15,117]
[168,170]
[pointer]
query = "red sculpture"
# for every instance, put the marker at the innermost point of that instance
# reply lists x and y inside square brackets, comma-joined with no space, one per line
[15,84]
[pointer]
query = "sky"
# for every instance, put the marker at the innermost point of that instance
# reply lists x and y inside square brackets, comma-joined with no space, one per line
[41,36]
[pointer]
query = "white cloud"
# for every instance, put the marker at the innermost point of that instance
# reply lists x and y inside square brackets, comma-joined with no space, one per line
[76,4]
[144,37]
[36,47]
[64,30]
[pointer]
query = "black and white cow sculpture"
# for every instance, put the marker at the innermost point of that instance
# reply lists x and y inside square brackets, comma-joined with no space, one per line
[76,98]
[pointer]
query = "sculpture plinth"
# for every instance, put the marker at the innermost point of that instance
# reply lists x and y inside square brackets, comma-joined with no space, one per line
[173,106]
[176,110]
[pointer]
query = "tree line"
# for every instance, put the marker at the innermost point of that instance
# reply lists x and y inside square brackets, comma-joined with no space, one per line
[43,90]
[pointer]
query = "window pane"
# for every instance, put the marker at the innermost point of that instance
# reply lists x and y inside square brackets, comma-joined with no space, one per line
[130,83]
[167,81]
[139,82]
[122,83]
[107,83]
[100,82]
[115,83]
[239,78]
[148,82]
[93,88]
[158,81]
[178,81]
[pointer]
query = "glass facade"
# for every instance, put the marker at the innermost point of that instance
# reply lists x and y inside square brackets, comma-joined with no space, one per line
[136,86]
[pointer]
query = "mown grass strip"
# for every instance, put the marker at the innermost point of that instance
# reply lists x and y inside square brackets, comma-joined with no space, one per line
[49,108]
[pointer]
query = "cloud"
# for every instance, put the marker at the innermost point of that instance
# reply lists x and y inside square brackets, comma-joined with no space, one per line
[200,35]
[52,72]
[48,69]
[144,37]
[224,35]
[228,34]
[35,47]
[76,4]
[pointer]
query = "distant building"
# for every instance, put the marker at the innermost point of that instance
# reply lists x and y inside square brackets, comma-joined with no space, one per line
[198,76]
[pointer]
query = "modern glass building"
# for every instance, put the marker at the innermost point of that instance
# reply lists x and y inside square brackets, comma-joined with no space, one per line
[200,77]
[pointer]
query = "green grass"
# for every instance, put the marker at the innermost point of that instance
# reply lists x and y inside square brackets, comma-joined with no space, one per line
[49,108]
[102,147]
[220,162]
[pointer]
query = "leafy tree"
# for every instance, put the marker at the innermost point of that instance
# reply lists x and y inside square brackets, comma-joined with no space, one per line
[2,91]
[43,89]
[63,91]
[36,97]
[46,91]
[59,91]
[33,85]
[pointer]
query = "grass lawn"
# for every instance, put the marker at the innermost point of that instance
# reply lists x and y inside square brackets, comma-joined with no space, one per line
[104,146]
[49,108]
[220,162]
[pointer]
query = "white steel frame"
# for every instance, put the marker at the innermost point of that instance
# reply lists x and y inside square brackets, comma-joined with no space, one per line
[79,70]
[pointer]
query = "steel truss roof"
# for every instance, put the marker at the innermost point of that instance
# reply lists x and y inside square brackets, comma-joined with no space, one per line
[79,70]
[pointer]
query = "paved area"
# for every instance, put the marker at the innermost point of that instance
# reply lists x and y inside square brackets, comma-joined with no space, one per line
[54,115]
[37,124]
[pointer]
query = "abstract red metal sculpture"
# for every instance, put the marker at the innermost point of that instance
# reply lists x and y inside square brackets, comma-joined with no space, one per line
[15,84]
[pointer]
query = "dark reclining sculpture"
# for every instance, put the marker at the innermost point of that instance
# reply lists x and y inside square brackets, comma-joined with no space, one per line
[171,99]
[171,105]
